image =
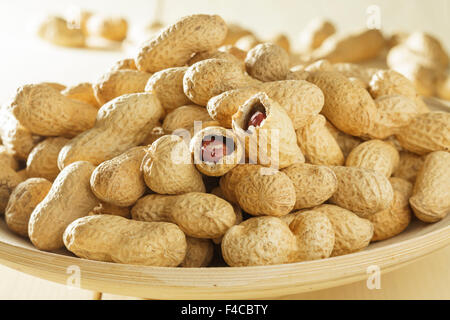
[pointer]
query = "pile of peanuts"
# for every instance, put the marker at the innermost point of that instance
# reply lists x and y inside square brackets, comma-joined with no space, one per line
[194,151]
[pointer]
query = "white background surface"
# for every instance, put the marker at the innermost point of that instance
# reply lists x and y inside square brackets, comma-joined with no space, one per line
[26,59]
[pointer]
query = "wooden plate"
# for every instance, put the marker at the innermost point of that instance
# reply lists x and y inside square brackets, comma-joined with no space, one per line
[418,240]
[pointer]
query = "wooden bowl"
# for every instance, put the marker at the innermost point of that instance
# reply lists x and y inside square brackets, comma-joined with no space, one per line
[418,240]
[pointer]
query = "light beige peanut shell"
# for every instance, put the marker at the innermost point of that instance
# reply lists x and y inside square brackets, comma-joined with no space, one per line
[259,241]
[83,92]
[23,174]
[431,195]
[45,111]
[313,184]
[110,28]
[362,191]
[56,30]
[117,83]
[392,221]
[106,208]
[409,165]
[18,140]
[351,232]
[265,191]
[69,198]
[168,167]
[274,141]
[174,45]
[318,144]
[232,156]
[429,47]
[216,54]
[356,47]
[55,85]
[25,197]
[375,155]
[9,179]
[167,84]
[315,33]
[349,107]
[357,71]
[267,62]
[319,65]
[345,141]
[116,239]
[426,133]
[199,215]
[124,64]
[7,159]
[229,181]
[390,82]
[42,161]
[78,17]
[393,113]
[208,78]
[121,124]
[297,73]
[184,117]
[199,253]
[315,235]
[119,181]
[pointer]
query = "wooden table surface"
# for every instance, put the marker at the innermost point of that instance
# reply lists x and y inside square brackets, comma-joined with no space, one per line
[26,59]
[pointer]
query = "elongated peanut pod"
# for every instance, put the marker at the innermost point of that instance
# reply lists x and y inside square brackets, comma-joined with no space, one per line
[168,167]
[349,107]
[267,62]
[121,124]
[25,197]
[375,155]
[119,181]
[69,198]
[199,253]
[362,191]
[184,118]
[45,111]
[111,28]
[167,84]
[56,30]
[271,141]
[208,78]
[431,195]
[426,133]
[119,82]
[176,44]
[199,215]
[83,92]
[117,239]
[216,151]
[9,179]
[313,184]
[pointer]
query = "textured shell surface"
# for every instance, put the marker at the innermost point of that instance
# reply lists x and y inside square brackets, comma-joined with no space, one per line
[375,155]
[349,107]
[352,233]
[362,191]
[267,62]
[24,198]
[168,167]
[315,235]
[117,239]
[174,45]
[69,199]
[431,195]
[167,84]
[45,111]
[318,144]
[121,124]
[313,184]
[199,253]
[426,133]
[392,221]
[119,181]
[259,241]
[184,118]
